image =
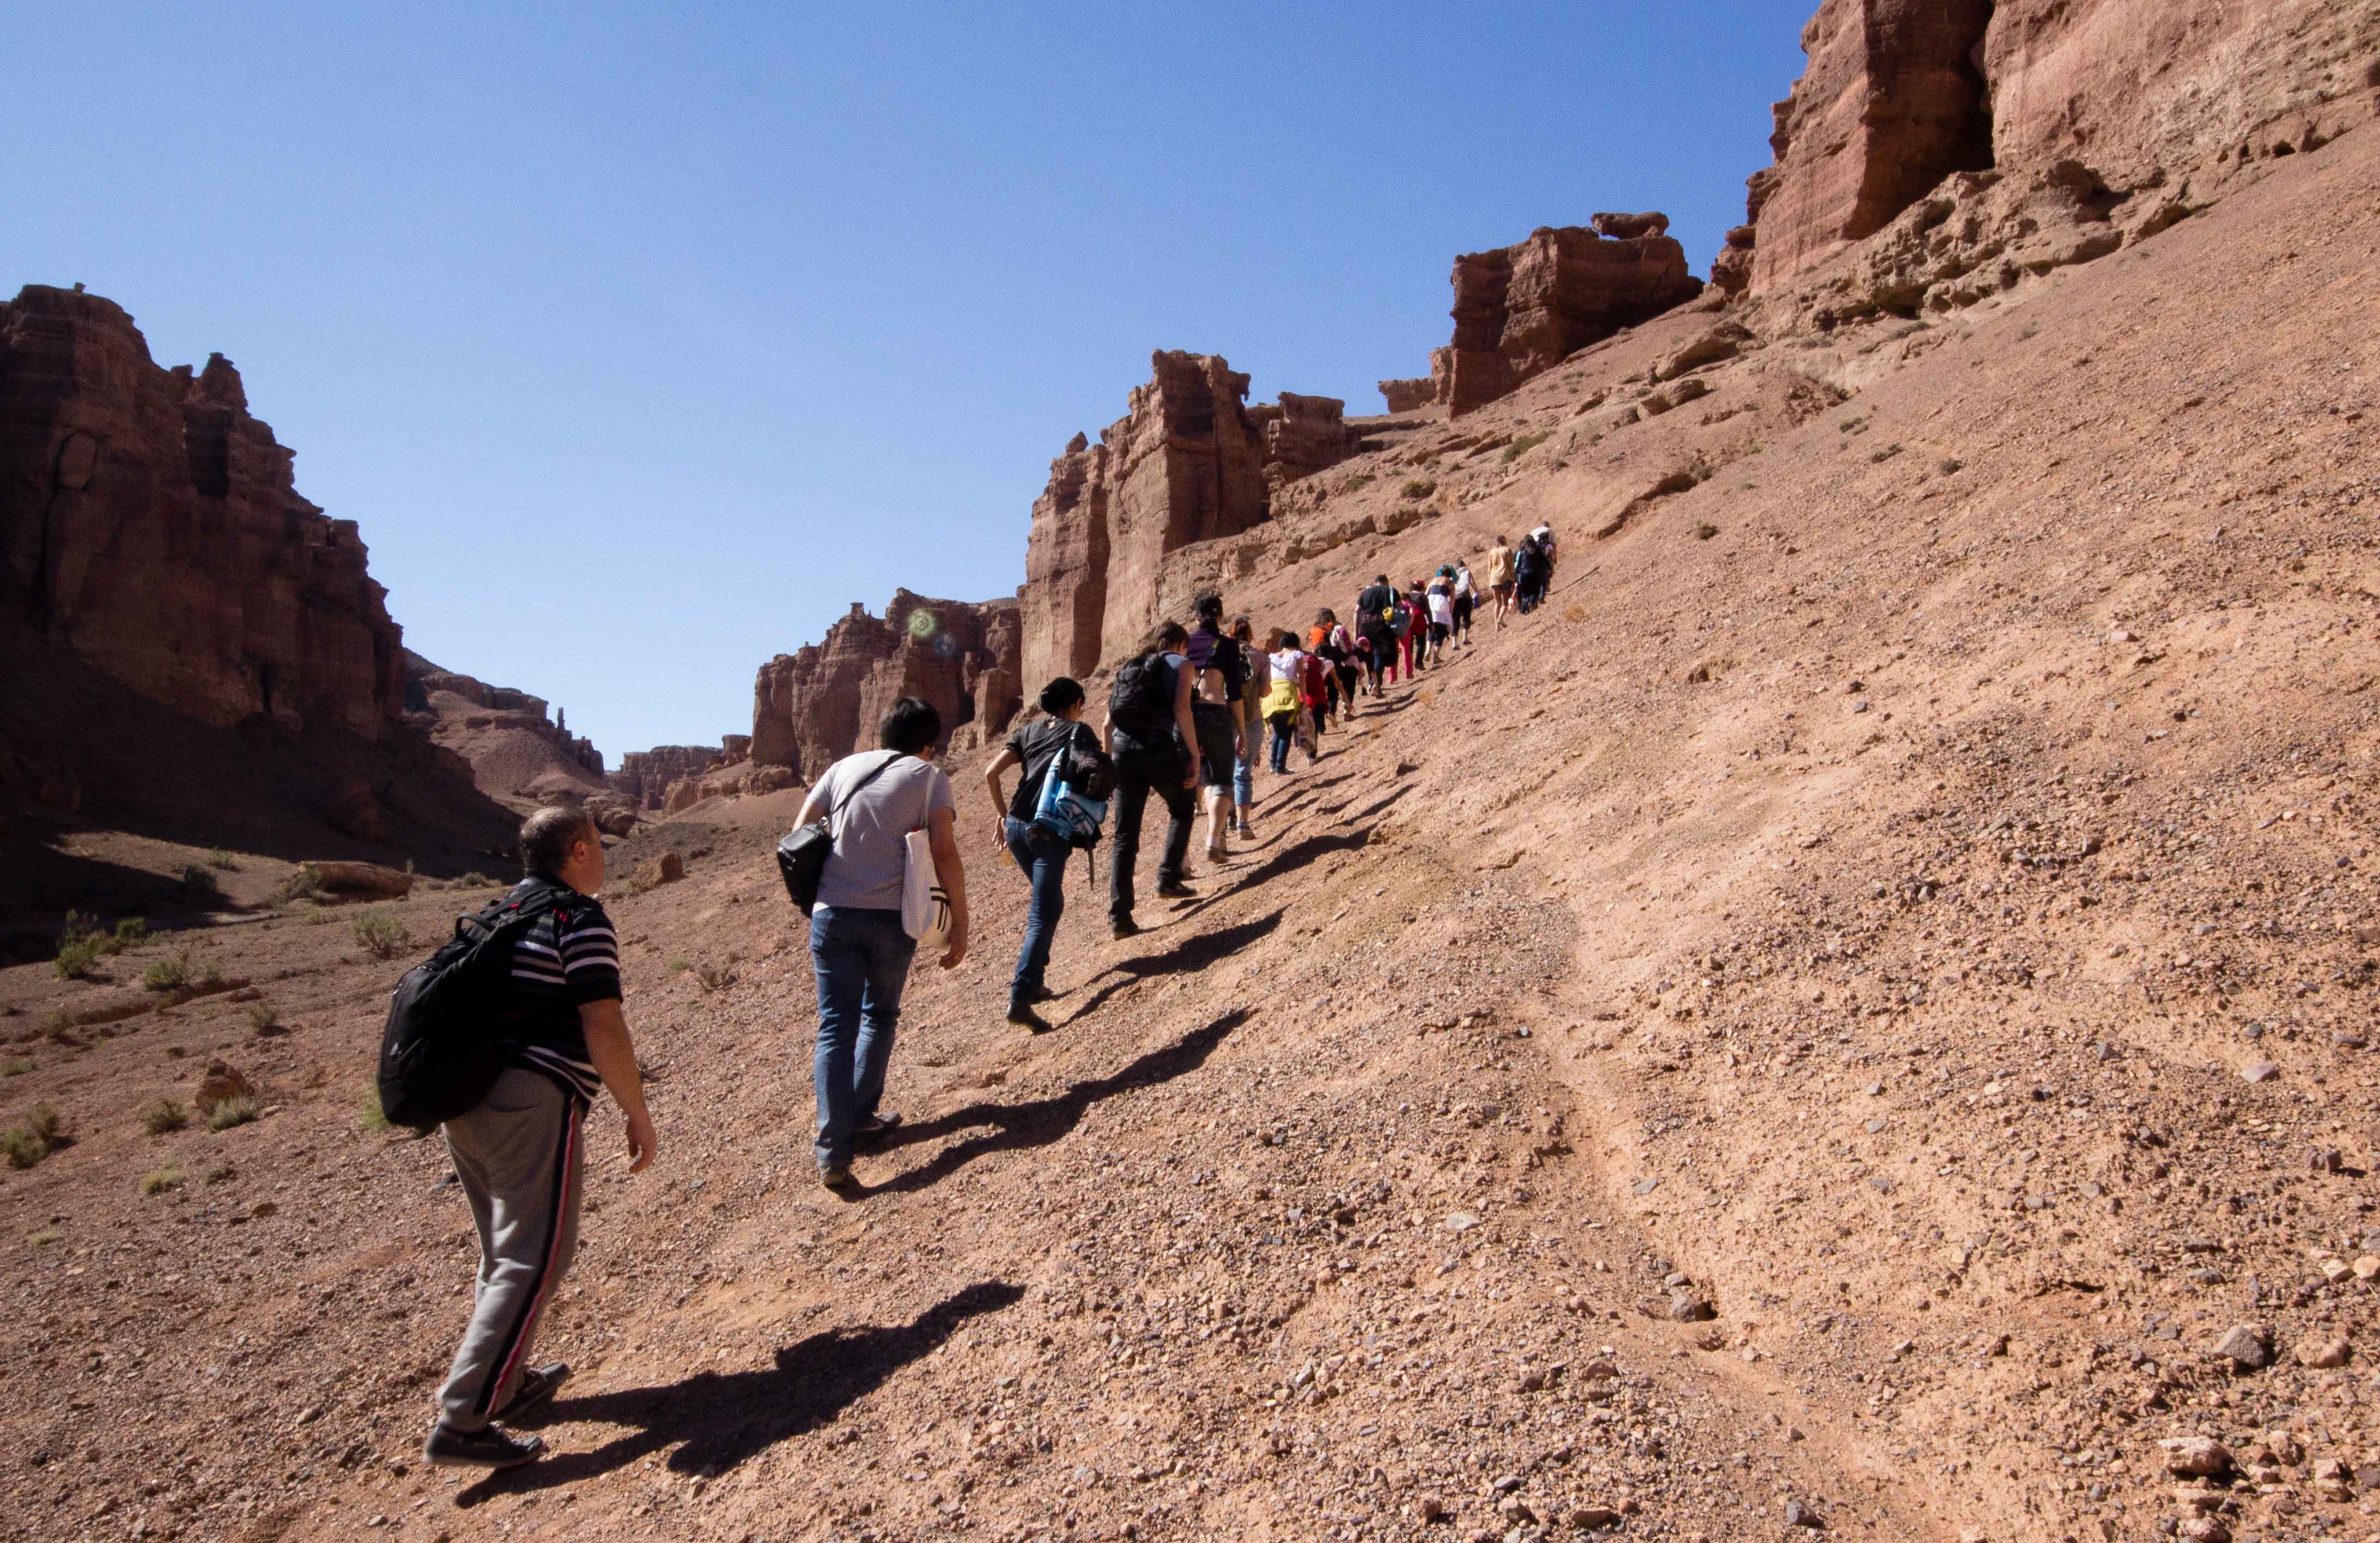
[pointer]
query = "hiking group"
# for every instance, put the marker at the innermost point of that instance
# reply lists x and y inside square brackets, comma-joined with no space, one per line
[874,860]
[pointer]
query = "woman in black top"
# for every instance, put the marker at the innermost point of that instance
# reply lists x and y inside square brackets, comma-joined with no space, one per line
[1039,851]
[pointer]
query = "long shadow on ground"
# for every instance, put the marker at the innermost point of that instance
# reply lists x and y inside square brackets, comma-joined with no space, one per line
[1195,953]
[1039,1121]
[716,1420]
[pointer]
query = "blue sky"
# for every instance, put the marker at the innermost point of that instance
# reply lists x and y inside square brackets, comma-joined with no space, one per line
[642,341]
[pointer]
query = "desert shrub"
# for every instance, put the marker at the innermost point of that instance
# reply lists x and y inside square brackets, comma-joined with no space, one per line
[16,1066]
[1357,483]
[164,1116]
[34,1137]
[22,1147]
[223,859]
[200,884]
[162,1180]
[304,884]
[680,964]
[265,1018]
[1887,453]
[42,1237]
[58,1026]
[479,882]
[1419,487]
[1523,445]
[236,1110]
[130,933]
[1706,531]
[170,974]
[76,953]
[381,933]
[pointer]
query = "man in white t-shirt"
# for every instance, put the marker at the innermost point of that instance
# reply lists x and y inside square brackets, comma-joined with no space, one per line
[859,951]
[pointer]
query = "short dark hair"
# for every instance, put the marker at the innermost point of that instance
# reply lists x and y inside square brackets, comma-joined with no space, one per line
[1207,605]
[547,836]
[1243,630]
[910,727]
[1164,636]
[1379,578]
[1062,696]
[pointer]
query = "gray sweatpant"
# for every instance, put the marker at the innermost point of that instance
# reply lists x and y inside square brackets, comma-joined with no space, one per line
[518,1155]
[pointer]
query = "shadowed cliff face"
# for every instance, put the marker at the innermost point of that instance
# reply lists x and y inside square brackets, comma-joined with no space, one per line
[150,523]
[812,707]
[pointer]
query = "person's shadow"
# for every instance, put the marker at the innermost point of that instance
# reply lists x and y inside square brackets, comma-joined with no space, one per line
[718,1419]
[1039,1121]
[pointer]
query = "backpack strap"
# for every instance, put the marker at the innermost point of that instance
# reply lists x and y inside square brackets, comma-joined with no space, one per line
[856,788]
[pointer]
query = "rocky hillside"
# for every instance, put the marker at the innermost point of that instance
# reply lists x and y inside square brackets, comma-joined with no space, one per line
[518,755]
[1856,1018]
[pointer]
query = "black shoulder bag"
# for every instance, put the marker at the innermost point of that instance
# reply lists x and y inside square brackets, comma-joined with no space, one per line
[801,857]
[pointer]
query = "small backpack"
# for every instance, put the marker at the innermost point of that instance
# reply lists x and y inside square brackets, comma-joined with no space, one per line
[1140,702]
[1075,792]
[440,1053]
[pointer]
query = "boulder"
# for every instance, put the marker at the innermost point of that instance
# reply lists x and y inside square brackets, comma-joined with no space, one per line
[2248,1346]
[667,868]
[222,1082]
[1723,342]
[361,880]
[1627,227]
[771,779]
[683,795]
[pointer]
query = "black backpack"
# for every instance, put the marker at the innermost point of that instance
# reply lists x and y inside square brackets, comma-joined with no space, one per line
[441,1053]
[1141,700]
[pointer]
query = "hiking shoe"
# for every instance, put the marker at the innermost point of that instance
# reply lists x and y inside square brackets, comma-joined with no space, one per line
[1124,926]
[490,1448]
[534,1391]
[835,1175]
[1021,1014]
[878,1128]
[1174,889]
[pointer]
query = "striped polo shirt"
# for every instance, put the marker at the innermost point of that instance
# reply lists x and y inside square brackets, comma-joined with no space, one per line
[569,957]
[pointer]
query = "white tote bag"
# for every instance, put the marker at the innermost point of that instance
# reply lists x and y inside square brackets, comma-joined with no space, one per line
[925,909]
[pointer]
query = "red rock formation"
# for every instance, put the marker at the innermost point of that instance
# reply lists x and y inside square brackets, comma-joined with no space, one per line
[516,752]
[149,522]
[810,708]
[644,776]
[1406,395]
[1520,311]
[1189,462]
[2177,94]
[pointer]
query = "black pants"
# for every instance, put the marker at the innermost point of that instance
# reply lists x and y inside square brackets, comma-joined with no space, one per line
[1141,770]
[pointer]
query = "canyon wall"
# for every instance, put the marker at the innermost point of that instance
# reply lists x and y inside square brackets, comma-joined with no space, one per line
[150,523]
[814,706]
[1519,311]
[2173,95]
[1189,461]
[516,751]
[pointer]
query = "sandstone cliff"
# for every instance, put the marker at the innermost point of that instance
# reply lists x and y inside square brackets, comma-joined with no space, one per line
[2174,97]
[813,706]
[1520,311]
[149,522]
[1189,462]
[516,751]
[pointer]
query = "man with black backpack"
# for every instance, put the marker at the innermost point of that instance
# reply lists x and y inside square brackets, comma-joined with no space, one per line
[1150,735]
[1376,611]
[518,1153]
[1060,762]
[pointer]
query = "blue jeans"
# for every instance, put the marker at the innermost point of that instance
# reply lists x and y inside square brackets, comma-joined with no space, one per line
[1243,777]
[1043,855]
[1284,731]
[861,959]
